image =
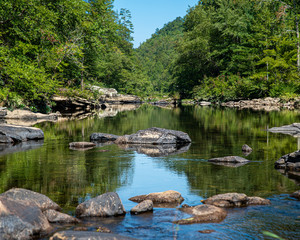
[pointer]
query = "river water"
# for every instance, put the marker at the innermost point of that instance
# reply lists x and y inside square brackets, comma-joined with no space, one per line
[69,177]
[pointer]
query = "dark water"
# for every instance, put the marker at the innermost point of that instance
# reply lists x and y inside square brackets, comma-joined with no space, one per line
[69,177]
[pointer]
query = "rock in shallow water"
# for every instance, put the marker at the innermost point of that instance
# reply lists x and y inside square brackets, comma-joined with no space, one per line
[155,136]
[296,195]
[229,159]
[103,137]
[204,213]
[58,217]
[82,145]
[105,205]
[160,197]
[290,162]
[145,206]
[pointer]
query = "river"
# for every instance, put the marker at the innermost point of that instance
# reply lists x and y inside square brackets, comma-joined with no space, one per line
[69,177]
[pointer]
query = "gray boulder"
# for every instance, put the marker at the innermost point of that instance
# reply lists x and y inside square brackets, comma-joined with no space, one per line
[145,206]
[84,235]
[58,217]
[30,197]
[289,162]
[293,129]
[11,133]
[17,215]
[103,137]
[155,135]
[105,205]
[228,200]
[229,159]
[246,148]
[160,197]
[203,214]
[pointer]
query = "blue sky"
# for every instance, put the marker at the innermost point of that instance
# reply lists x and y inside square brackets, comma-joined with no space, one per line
[148,15]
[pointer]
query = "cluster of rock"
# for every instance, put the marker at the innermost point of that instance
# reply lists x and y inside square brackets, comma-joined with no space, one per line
[289,162]
[153,141]
[267,104]
[25,214]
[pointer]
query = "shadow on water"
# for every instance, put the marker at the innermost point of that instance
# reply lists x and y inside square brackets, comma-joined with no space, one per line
[69,177]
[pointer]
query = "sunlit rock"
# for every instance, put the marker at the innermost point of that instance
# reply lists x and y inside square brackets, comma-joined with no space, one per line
[12,133]
[203,214]
[229,159]
[105,205]
[30,197]
[155,135]
[258,201]
[293,129]
[160,197]
[144,206]
[81,145]
[16,216]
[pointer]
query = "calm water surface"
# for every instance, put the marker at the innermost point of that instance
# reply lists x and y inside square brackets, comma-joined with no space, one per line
[70,177]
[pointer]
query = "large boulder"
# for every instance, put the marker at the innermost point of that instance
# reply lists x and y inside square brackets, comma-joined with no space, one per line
[229,159]
[84,235]
[103,137]
[228,200]
[145,206]
[203,214]
[155,135]
[160,197]
[58,217]
[105,205]
[11,133]
[16,216]
[290,162]
[29,197]
[28,115]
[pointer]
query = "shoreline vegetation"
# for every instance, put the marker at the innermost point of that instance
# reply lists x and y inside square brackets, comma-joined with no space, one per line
[220,51]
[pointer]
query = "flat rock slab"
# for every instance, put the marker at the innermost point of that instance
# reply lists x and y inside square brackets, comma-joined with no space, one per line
[103,137]
[160,197]
[229,200]
[145,206]
[155,136]
[84,235]
[29,197]
[26,114]
[203,214]
[24,214]
[296,195]
[293,129]
[229,159]
[58,217]
[105,205]
[12,133]
[289,162]
[82,145]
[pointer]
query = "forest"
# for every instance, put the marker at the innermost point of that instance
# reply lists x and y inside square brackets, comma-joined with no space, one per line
[221,50]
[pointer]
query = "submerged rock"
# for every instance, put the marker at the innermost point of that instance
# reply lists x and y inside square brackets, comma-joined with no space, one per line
[289,162]
[203,214]
[157,150]
[296,195]
[84,235]
[145,206]
[30,197]
[103,137]
[81,145]
[228,200]
[58,217]
[12,133]
[229,159]
[160,197]
[155,136]
[105,205]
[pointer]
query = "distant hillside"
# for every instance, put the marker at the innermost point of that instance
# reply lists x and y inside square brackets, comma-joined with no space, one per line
[158,53]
